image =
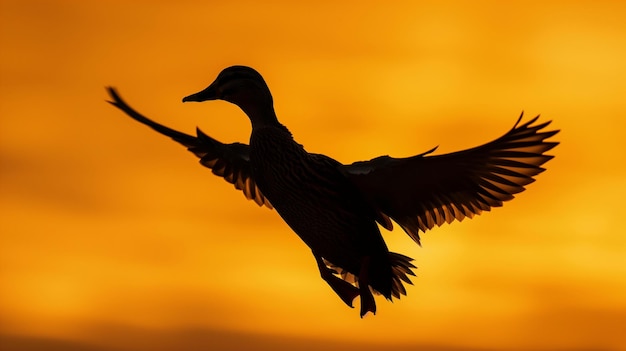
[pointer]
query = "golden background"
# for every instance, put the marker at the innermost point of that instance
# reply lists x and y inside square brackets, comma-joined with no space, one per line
[114,238]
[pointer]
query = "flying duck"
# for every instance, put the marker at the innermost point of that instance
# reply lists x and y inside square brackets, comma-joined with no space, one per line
[335,208]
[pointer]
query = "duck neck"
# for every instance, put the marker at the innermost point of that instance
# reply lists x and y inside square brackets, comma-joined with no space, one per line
[262,116]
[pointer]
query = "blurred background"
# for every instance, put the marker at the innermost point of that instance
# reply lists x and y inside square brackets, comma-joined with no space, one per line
[114,238]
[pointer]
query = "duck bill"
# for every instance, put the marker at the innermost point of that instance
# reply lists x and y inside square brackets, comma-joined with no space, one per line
[209,93]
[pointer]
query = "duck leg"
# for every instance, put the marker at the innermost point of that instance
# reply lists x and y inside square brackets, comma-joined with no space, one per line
[346,291]
[367,299]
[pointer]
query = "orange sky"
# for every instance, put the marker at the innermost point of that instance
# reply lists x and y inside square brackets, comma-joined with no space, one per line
[113,237]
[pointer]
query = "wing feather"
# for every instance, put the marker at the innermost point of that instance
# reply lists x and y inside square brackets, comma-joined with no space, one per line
[424,191]
[229,161]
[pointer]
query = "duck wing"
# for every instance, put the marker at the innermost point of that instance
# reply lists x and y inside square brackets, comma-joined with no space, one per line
[229,161]
[422,191]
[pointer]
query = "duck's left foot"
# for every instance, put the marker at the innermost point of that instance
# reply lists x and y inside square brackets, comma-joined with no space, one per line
[367,299]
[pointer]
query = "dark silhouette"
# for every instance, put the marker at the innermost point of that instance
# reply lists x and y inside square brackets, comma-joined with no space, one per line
[334,208]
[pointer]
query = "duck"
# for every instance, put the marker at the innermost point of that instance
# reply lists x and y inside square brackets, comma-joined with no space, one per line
[338,209]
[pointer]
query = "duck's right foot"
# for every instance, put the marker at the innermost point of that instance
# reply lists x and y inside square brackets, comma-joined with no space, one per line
[346,291]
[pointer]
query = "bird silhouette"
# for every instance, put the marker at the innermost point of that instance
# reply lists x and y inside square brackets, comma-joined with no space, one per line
[334,208]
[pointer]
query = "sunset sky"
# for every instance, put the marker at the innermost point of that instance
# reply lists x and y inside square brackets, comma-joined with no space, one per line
[113,237]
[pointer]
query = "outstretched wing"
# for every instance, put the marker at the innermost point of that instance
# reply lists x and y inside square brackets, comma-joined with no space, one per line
[422,191]
[229,161]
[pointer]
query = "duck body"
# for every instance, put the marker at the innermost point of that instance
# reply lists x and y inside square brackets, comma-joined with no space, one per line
[320,204]
[335,208]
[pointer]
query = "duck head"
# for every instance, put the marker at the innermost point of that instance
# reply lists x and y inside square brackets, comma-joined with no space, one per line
[242,86]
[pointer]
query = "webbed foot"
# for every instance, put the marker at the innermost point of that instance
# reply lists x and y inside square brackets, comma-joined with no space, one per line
[346,291]
[367,299]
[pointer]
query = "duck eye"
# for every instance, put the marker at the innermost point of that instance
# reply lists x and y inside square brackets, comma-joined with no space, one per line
[226,93]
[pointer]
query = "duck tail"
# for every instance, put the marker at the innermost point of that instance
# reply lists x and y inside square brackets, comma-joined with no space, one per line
[401,268]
